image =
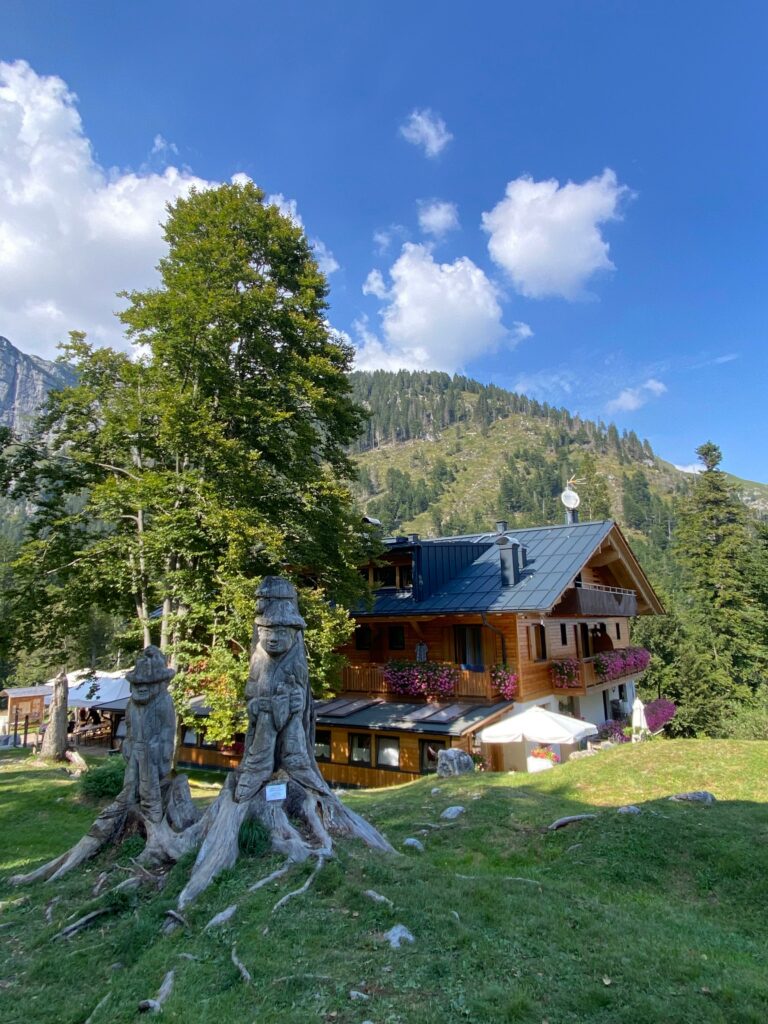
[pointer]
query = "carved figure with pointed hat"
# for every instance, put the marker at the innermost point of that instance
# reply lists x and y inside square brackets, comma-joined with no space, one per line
[280,722]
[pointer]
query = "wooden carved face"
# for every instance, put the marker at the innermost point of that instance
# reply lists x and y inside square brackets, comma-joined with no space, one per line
[276,639]
[144,693]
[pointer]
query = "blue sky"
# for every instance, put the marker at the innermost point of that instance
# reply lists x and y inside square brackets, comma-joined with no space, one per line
[432,144]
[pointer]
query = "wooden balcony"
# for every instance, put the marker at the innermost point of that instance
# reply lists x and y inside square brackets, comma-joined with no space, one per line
[369,678]
[589,679]
[592,599]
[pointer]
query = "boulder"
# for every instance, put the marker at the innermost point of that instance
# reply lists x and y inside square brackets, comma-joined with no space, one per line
[397,935]
[454,762]
[629,809]
[452,812]
[414,844]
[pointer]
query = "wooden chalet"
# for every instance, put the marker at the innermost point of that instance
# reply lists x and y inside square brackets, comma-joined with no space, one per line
[549,605]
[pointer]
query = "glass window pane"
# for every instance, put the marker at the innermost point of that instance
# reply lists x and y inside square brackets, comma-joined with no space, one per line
[388,752]
[323,745]
[429,752]
[359,748]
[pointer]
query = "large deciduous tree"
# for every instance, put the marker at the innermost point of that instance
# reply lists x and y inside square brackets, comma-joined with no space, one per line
[166,481]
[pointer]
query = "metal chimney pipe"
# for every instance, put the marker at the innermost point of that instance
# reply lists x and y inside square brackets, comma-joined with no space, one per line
[509,556]
[571,516]
[501,526]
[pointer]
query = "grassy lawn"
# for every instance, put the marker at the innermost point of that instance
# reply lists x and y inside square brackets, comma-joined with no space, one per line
[652,917]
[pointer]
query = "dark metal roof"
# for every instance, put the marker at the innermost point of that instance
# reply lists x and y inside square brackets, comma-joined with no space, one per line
[555,556]
[393,717]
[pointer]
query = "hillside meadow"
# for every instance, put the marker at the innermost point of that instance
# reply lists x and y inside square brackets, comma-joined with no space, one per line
[658,916]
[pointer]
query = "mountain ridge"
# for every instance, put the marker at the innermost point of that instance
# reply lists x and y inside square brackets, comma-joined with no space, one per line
[25,381]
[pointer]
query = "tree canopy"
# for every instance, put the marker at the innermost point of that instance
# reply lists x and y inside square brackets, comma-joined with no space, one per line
[165,482]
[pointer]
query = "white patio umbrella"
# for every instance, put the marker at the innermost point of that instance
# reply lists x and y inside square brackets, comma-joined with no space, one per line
[639,723]
[537,725]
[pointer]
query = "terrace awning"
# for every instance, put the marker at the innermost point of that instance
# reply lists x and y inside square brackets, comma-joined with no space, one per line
[537,725]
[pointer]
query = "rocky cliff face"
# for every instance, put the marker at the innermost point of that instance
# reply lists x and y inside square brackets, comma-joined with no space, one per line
[24,383]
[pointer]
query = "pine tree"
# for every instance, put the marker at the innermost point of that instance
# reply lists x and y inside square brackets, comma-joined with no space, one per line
[722,567]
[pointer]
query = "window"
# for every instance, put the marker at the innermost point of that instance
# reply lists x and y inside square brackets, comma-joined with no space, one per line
[363,638]
[563,634]
[359,748]
[384,576]
[323,745]
[538,643]
[387,752]
[618,631]
[396,638]
[468,646]
[428,751]
[189,740]
[406,577]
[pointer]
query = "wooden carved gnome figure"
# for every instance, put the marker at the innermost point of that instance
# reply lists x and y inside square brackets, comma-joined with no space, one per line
[280,709]
[150,730]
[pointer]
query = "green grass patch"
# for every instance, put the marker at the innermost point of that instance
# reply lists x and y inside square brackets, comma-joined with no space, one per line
[651,917]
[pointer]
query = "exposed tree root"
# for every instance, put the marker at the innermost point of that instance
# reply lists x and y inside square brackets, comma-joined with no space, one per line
[94,1012]
[298,892]
[570,819]
[164,844]
[155,1005]
[271,878]
[245,974]
[222,917]
[82,922]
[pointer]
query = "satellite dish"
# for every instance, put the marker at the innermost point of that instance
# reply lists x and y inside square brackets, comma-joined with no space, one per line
[570,498]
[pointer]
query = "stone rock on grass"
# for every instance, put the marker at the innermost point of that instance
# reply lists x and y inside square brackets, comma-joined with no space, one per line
[450,813]
[629,809]
[698,796]
[434,791]
[454,762]
[397,935]
[356,995]
[414,844]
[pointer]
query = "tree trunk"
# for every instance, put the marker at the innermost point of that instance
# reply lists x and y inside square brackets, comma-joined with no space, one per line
[55,738]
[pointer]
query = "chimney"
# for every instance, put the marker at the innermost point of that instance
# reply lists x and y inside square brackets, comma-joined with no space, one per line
[571,516]
[523,556]
[509,556]
[413,538]
[501,526]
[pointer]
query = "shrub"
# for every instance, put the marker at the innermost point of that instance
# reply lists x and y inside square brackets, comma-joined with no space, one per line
[106,780]
[658,713]
[615,731]
[748,721]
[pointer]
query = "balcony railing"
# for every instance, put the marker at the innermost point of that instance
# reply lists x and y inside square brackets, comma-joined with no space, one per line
[595,599]
[369,678]
[589,678]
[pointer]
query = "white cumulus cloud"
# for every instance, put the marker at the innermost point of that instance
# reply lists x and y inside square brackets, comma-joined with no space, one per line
[437,217]
[437,316]
[427,129]
[73,233]
[547,237]
[631,399]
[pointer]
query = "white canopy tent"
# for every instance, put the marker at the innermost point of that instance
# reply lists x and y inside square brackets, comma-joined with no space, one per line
[537,725]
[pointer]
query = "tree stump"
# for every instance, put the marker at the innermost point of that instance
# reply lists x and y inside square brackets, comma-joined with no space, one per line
[277,782]
[150,800]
